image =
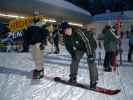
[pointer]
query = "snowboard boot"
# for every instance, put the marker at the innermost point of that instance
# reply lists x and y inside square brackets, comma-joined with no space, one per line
[38,74]
[108,69]
[72,80]
[93,85]
[56,52]
[129,60]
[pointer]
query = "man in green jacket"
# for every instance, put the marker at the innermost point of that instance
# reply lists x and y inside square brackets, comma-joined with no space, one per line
[110,40]
[76,46]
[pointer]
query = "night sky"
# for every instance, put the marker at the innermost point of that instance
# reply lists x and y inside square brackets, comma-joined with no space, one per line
[100,6]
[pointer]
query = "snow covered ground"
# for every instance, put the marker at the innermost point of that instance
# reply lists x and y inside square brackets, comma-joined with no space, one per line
[16,82]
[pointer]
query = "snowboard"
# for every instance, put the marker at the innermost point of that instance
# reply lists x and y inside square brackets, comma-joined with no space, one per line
[85,86]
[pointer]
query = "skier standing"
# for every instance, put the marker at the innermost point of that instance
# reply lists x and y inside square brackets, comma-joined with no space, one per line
[76,46]
[36,37]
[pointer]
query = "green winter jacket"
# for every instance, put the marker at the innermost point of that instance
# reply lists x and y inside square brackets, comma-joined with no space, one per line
[75,42]
[110,41]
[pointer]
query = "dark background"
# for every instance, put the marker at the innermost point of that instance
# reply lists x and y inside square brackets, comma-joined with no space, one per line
[100,6]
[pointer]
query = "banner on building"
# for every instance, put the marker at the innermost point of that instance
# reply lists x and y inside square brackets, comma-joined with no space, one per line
[19,24]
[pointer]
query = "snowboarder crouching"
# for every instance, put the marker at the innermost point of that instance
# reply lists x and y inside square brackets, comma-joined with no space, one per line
[78,42]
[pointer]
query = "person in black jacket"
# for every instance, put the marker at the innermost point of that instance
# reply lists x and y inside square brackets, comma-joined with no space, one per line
[76,46]
[130,51]
[25,41]
[36,37]
[55,37]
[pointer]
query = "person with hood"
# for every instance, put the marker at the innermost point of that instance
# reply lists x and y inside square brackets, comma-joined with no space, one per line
[36,38]
[76,46]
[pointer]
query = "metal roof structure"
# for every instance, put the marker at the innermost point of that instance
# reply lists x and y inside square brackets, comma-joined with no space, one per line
[126,15]
[58,9]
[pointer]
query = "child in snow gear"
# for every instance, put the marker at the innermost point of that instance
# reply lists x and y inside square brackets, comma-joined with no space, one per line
[78,42]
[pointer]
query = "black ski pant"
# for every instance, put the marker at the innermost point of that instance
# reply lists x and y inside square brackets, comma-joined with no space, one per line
[25,47]
[56,44]
[130,52]
[108,60]
[91,64]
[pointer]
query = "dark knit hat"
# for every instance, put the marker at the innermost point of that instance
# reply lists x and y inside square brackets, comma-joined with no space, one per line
[65,25]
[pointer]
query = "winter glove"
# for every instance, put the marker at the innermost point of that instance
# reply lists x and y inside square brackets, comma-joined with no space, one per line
[41,46]
[44,42]
[90,59]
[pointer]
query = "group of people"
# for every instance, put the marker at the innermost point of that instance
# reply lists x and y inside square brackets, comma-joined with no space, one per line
[74,43]
[110,40]
[77,41]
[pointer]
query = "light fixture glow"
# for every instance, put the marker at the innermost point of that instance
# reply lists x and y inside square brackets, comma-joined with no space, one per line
[11,15]
[49,20]
[76,24]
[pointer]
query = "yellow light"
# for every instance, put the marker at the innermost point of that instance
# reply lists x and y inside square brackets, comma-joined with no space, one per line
[76,24]
[11,15]
[49,20]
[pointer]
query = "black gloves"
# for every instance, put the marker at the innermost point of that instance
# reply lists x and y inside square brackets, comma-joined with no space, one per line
[91,59]
[41,46]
